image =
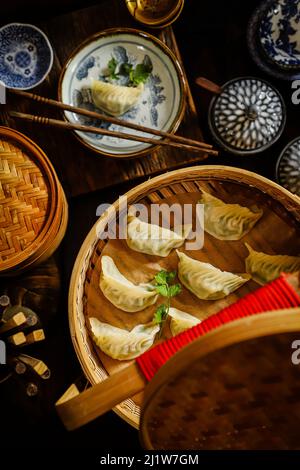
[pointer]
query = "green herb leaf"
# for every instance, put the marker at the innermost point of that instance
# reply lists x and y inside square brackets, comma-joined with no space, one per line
[125,69]
[171,276]
[160,314]
[164,277]
[174,290]
[163,290]
[140,74]
[112,65]
[136,75]
[163,287]
[161,277]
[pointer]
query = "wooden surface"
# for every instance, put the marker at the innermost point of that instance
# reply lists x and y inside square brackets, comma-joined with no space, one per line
[80,169]
[212,40]
[280,209]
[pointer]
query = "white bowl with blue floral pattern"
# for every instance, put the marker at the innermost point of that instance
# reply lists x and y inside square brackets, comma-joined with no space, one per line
[279,33]
[161,105]
[26,56]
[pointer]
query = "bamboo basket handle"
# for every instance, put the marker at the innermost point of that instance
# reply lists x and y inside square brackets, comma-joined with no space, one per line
[76,409]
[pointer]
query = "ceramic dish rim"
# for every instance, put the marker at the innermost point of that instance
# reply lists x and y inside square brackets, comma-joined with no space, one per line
[180,75]
[289,144]
[2,28]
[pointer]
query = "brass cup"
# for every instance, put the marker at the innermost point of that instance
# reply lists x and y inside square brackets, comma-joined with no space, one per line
[155,13]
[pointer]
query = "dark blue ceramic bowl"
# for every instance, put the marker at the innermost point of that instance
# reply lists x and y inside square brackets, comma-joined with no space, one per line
[280,33]
[288,167]
[258,52]
[26,56]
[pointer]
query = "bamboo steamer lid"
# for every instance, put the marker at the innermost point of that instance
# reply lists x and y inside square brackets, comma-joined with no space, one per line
[33,208]
[235,388]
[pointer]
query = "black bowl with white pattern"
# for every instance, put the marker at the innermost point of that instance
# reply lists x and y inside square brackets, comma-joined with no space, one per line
[288,167]
[248,116]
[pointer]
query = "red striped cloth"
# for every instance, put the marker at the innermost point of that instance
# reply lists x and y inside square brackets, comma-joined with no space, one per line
[276,295]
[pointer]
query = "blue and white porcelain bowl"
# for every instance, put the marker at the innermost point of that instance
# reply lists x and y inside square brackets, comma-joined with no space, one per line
[279,33]
[288,167]
[248,116]
[257,52]
[26,56]
[161,105]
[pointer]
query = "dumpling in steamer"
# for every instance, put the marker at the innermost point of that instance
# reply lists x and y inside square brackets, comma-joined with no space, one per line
[206,281]
[181,321]
[227,221]
[265,268]
[115,99]
[122,293]
[122,344]
[152,239]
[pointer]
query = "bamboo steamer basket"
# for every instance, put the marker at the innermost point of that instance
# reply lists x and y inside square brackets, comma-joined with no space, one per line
[33,206]
[281,210]
[235,388]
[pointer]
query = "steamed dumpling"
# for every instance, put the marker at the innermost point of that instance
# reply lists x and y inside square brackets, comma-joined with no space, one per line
[265,268]
[115,99]
[181,321]
[227,221]
[206,281]
[123,293]
[153,239]
[122,344]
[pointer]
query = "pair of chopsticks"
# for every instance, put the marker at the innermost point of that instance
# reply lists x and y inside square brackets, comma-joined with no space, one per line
[167,139]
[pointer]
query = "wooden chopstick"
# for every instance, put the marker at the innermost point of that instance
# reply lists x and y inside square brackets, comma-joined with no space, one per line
[95,130]
[111,119]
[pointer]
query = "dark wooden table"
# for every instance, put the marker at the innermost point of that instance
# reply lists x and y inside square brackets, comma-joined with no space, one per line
[212,40]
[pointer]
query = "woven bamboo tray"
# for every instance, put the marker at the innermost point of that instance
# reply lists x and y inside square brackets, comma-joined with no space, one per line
[32,203]
[281,211]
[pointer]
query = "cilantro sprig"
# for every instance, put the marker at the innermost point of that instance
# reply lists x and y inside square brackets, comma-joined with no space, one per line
[112,66]
[136,75]
[164,285]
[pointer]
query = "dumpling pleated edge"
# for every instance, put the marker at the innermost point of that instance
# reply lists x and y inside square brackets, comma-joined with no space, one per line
[264,268]
[152,239]
[181,321]
[205,280]
[121,292]
[230,222]
[122,344]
